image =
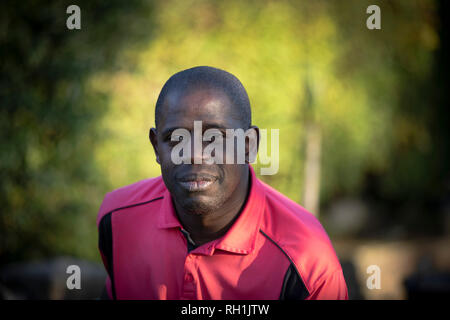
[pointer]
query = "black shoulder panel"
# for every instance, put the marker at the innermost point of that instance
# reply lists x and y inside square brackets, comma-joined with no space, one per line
[105,246]
[293,286]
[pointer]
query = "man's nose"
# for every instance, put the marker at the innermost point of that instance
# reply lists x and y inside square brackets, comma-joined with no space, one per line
[197,154]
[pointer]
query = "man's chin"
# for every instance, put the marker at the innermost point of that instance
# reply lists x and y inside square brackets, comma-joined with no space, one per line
[199,207]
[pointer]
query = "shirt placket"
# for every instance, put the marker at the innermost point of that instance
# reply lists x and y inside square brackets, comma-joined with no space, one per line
[189,282]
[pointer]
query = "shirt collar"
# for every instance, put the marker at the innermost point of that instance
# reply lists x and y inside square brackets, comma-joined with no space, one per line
[241,237]
[167,215]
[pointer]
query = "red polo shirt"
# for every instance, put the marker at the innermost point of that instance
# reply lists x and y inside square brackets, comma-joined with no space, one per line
[274,250]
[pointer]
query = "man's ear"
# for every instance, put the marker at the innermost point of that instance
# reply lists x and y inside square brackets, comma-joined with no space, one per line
[153,139]
[252,144]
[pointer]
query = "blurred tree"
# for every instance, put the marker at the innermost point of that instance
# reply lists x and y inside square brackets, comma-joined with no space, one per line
[400,68]
[50,187]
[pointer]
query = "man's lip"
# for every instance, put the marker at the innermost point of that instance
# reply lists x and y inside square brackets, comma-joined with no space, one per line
[196,182]
[196,186]
[195,177]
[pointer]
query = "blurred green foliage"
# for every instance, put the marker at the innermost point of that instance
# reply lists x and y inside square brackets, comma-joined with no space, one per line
[50,185]
[77,105]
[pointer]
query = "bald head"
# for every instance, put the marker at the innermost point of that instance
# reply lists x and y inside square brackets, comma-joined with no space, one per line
[204,77]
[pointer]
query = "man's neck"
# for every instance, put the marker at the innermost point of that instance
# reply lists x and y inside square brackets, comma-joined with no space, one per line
[208,227]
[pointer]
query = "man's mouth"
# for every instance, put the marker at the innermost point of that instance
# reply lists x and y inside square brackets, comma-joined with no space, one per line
[196,182]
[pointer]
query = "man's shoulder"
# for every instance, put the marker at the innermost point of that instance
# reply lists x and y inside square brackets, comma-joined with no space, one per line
[300,235]
[289,219]
[140,192]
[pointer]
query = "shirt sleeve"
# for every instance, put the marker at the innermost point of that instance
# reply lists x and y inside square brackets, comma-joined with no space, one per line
[332,287]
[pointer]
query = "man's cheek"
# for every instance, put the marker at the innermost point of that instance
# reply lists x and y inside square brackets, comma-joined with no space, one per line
[165,158]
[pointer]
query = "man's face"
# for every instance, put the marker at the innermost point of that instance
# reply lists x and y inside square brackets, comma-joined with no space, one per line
[198,188]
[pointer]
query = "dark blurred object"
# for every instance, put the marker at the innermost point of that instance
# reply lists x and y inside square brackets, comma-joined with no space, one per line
[427,282]
[350,216]
[353,285]
[46,280]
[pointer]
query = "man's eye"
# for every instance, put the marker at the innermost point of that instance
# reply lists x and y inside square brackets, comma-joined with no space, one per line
[178,139]
[175,142]
[168,138]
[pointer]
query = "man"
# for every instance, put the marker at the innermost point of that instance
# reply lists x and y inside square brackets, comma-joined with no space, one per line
[211,231]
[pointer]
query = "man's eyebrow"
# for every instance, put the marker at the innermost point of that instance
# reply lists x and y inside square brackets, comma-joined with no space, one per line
[204,127]
[169,131]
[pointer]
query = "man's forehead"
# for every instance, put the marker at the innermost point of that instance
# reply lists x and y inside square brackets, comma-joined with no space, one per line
[211,106]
